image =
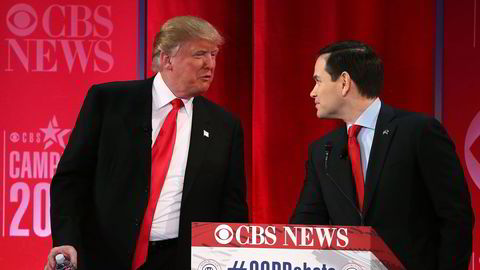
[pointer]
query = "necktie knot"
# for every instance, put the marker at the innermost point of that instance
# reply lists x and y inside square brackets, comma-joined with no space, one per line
[177,103]
[353,131]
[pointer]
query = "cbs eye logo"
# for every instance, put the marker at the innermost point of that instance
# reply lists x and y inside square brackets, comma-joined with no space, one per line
[223,234]
[352,266]
[22,20]
[14,137]
[209,265]
[471,153]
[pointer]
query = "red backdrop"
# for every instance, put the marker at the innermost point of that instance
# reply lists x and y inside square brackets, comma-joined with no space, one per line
[52,52]
[264,75]
[462,95]
[287,35]
[267,83]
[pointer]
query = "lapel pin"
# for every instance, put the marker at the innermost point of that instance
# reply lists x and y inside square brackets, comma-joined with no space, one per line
[206,134]
[386,131]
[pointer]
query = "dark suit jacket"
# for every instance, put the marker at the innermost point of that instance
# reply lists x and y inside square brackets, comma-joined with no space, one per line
[100,190]
[416,197]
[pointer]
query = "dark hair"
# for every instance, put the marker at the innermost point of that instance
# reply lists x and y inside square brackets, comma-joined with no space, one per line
[360,61]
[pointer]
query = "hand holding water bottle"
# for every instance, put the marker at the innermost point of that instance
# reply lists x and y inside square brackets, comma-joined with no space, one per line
[63,263]
[62,256]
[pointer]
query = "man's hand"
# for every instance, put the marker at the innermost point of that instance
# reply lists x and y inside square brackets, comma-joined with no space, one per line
[68,251]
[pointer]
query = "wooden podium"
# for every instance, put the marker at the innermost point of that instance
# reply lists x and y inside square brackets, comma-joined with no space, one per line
[248,246]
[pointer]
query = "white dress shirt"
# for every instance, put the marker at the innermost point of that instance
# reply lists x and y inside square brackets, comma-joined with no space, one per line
[368,120]
[167,213]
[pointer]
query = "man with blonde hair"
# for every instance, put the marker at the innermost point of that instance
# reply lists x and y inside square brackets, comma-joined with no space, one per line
[146,158]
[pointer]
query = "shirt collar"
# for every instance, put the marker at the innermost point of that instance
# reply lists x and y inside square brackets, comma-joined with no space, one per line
[162,95]
[368,118]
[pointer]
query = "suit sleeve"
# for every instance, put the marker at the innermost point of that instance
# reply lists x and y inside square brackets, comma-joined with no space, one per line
[445,182]
[235,207]
[311,208]
[70,191]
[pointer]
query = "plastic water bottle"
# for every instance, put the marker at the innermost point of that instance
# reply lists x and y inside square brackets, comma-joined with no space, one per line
[63,263]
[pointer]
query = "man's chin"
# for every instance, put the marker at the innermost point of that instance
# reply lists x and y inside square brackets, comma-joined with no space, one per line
[203,87]
[199,91]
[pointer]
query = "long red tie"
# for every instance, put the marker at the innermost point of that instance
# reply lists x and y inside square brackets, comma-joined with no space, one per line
[354,152]
[161,155]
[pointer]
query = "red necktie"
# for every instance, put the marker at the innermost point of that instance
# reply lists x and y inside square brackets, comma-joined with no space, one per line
[354,152]
[161,155]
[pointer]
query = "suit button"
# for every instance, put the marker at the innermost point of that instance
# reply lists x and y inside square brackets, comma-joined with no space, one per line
[146,190]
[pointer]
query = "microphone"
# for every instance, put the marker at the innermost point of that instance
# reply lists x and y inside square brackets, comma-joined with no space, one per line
[328,149]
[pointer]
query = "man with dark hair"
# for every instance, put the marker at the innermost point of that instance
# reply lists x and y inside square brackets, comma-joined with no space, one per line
[146,159]
[394,170]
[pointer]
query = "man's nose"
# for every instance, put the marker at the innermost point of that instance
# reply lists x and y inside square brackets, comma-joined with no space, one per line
[209,61]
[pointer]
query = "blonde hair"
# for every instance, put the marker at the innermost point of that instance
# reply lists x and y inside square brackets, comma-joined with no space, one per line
[178,30]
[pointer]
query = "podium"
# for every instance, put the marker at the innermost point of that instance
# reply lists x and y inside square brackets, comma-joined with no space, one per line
[248,246]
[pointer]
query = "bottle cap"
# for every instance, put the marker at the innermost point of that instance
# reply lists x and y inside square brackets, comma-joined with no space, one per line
[59,258]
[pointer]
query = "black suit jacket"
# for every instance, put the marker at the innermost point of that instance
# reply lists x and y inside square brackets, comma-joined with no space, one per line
[100,190]
[416,196]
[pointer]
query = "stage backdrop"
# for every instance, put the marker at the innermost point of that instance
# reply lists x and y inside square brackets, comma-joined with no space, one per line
[267,82]
[462,96]
[52,52]
[287,35]
[267,85]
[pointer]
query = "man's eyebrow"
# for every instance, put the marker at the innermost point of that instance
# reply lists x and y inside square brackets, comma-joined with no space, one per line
[200,51]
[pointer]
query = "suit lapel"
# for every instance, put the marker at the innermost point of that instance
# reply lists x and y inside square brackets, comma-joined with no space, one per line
[384,132]
[138,113]
[339,166]
[138,121]
[198,143]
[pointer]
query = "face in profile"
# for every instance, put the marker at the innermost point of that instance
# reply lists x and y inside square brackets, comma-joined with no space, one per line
[192,67]
[327,94]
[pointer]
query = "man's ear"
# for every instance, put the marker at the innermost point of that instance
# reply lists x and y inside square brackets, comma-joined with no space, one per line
[346,83]
[165,61]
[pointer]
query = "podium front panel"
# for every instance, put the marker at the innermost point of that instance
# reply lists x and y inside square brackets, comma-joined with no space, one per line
[235,246]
